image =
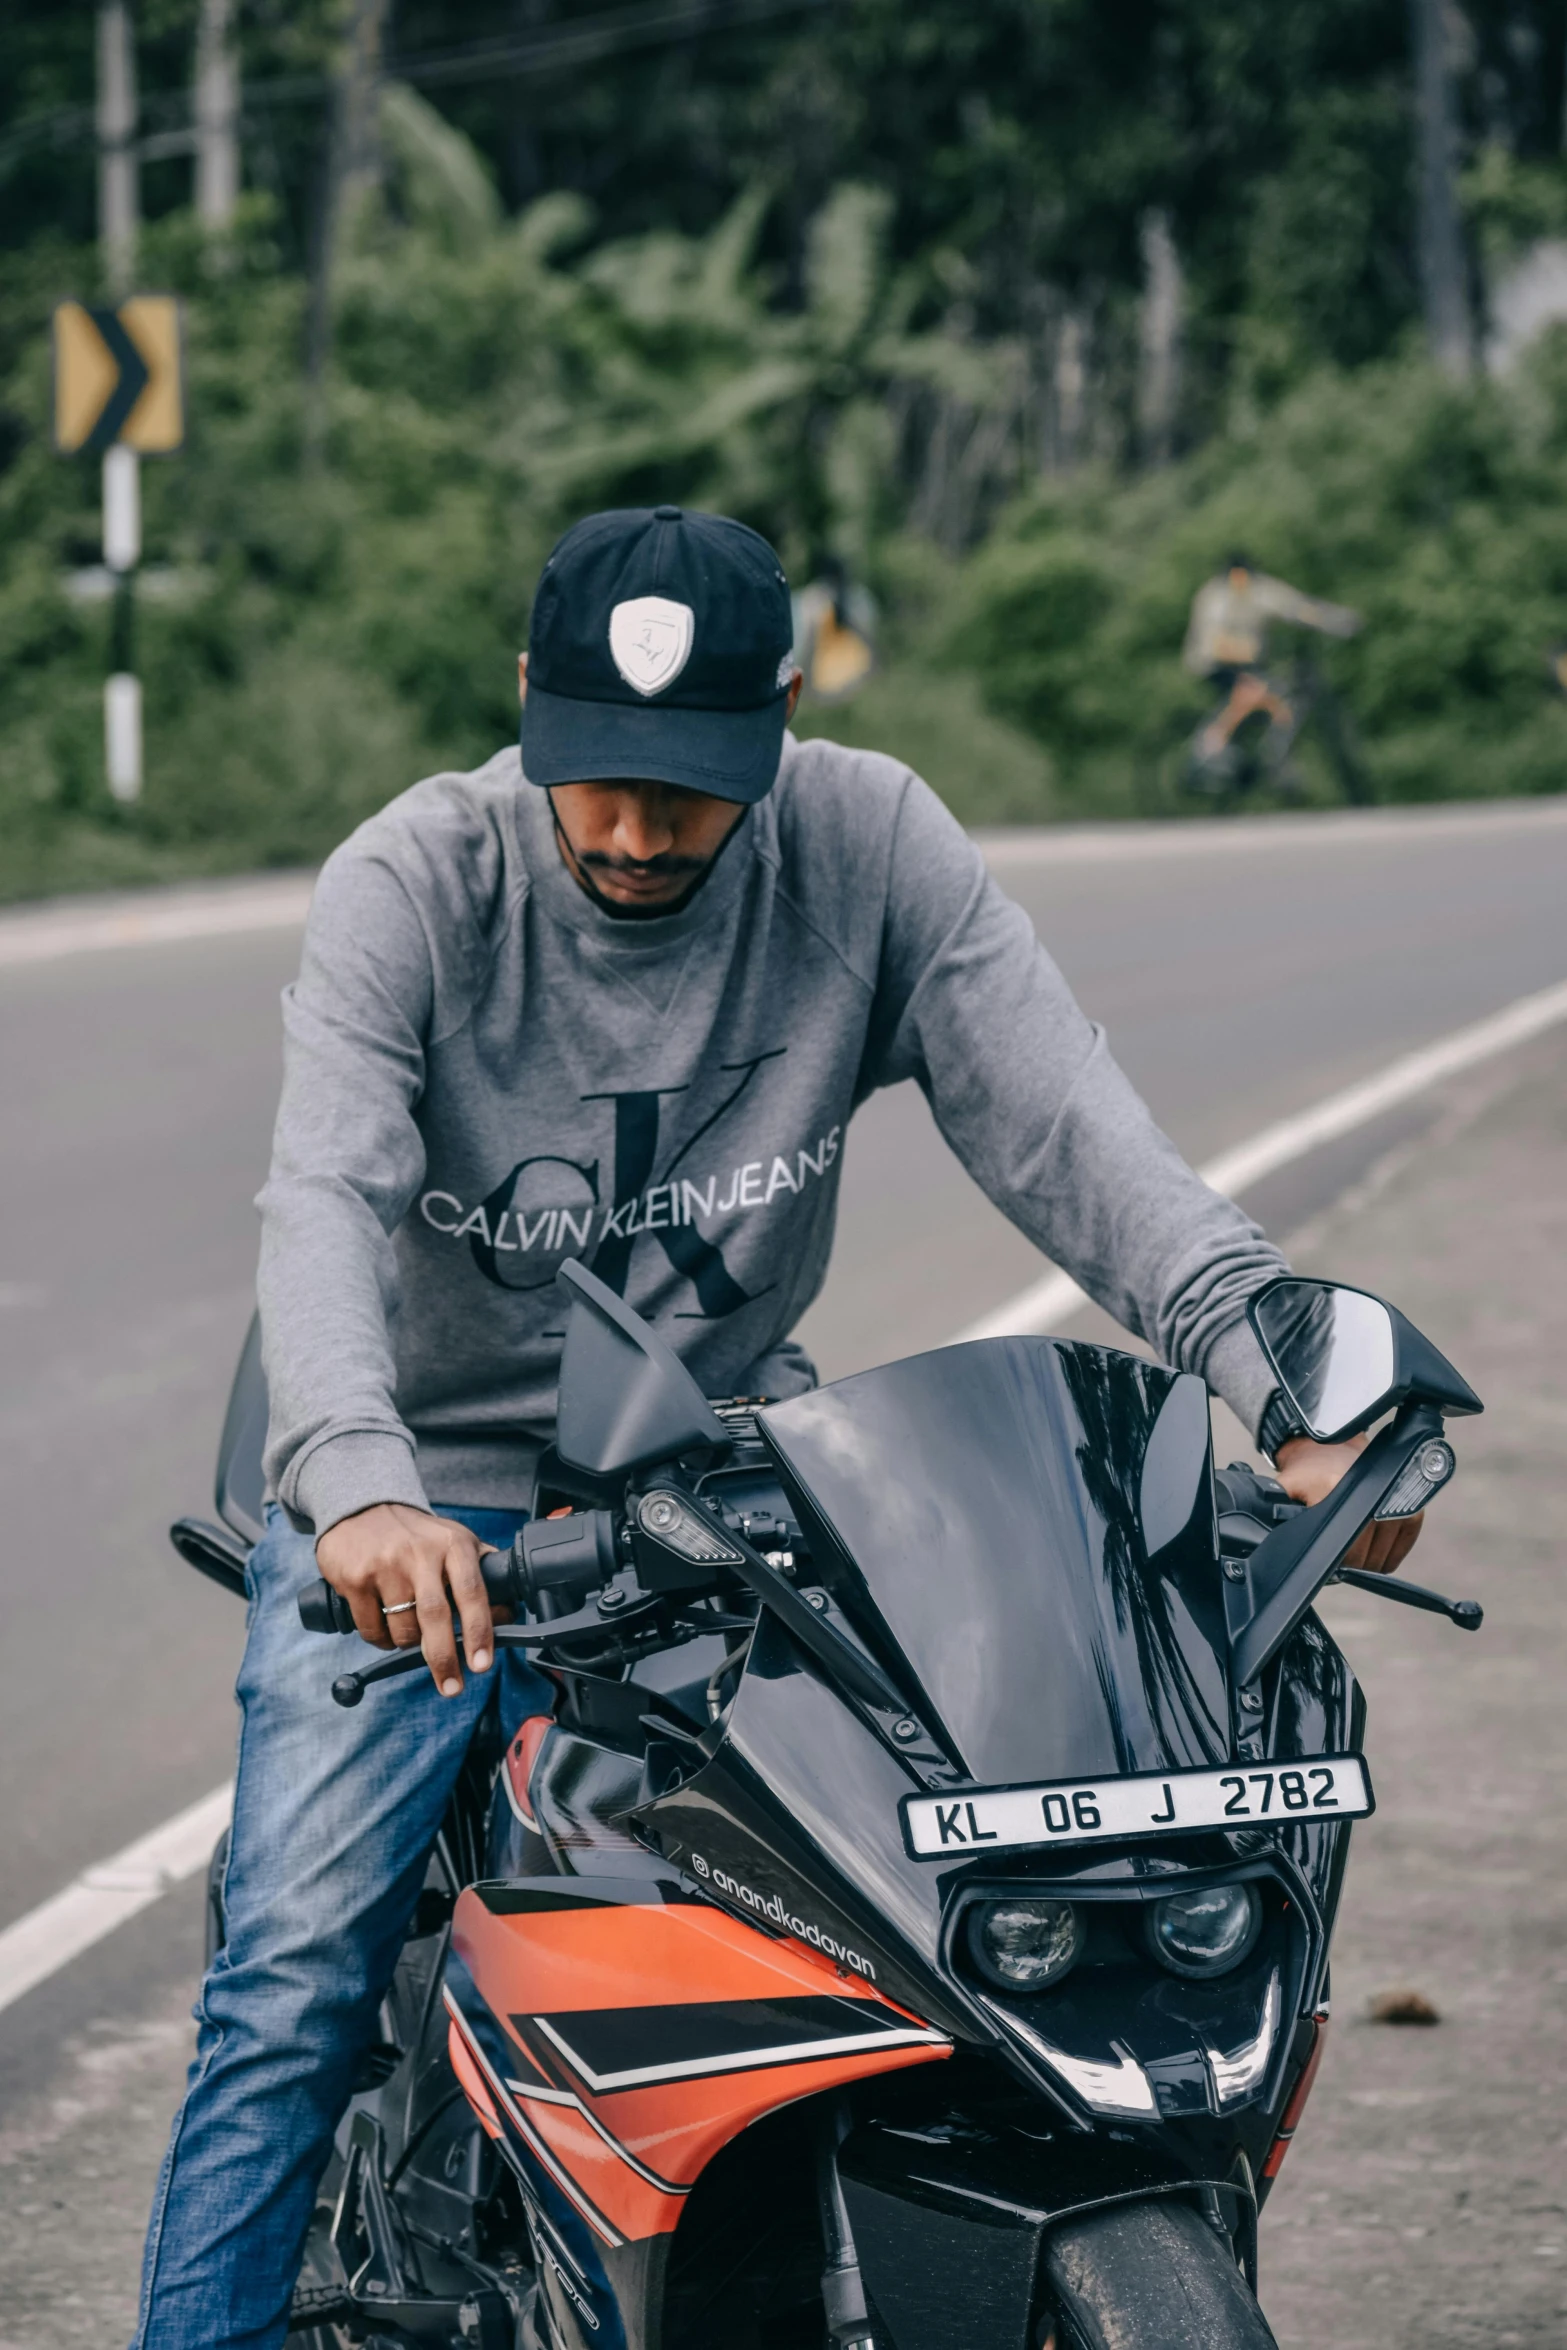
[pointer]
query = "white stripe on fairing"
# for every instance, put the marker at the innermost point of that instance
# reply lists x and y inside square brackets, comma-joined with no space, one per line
[49,1937]
[1047,1302]
[106,1895]
[750,2060]
[530,2094]
[524,2128]
[515,1800]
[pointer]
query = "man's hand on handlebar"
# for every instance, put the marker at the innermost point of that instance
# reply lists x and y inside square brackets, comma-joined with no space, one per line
[1308,1472]
[390,1554]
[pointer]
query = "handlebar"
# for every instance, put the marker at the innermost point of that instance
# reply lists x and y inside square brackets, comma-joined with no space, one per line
[551,1566]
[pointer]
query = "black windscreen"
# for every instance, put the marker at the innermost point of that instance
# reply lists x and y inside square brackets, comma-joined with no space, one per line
[983,1510]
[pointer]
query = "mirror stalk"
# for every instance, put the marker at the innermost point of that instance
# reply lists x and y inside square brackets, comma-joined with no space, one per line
[1286,1571]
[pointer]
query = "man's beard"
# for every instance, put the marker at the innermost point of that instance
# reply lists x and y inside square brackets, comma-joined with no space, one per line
[692,870]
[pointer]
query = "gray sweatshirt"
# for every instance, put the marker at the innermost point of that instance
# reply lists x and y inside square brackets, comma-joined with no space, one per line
[485,1074]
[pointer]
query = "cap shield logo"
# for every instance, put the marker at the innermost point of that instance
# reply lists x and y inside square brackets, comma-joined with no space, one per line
[650,641]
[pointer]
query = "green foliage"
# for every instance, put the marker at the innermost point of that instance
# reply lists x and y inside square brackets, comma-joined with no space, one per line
[1434,510]
[327,631]
[1511,200]
[931,714]
[821,284]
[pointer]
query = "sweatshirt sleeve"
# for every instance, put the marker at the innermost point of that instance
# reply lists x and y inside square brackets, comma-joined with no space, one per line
[347,1159]
[1025,1089]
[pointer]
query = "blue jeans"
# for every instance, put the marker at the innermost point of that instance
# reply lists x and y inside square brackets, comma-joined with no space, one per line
[335,1813]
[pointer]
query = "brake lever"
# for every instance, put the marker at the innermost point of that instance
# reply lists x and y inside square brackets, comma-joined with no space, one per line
[348,1688]
[1467,1614]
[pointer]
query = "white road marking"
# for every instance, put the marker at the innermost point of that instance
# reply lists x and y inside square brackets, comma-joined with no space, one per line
[156,918]
[1213,836]
[50,1936]
[1050,1300]
[103,1897]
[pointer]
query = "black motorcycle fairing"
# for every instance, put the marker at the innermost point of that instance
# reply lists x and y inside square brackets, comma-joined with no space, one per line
[950,2218]
[796,1815]
[589,2278]
[1183,2034]
[982,1512]
[1315,1706]
[581,1792]
[794,1819]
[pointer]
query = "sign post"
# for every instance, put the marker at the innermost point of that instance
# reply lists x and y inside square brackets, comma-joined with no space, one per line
[122,687]
[118,387]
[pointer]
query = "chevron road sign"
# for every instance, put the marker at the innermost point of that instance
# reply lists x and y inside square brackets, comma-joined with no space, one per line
[117,376]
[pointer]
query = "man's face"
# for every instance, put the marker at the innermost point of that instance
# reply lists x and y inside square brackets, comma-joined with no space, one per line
[640,845]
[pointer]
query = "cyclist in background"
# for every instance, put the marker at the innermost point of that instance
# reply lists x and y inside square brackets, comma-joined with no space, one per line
[1227,640]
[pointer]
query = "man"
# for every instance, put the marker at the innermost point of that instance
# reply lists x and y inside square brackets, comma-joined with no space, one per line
[616,1001]
[1227,640]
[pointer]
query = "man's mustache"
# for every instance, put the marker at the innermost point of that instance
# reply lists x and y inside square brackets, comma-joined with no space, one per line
[669,866]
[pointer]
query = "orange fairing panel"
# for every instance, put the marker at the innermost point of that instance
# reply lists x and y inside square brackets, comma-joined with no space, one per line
[548,1952]
[471,2081]
[631,2040]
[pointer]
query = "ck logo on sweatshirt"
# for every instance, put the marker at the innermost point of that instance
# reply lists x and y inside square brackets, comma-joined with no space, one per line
[547,1208]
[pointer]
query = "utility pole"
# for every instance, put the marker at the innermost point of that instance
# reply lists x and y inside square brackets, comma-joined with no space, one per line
[217,117]
[1443,272]
[118,208]
[122,686]
[118,204]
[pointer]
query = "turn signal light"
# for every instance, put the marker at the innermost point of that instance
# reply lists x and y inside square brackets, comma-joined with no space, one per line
[1289,2119]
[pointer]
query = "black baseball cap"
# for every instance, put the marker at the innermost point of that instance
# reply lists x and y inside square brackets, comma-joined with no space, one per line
[660,647]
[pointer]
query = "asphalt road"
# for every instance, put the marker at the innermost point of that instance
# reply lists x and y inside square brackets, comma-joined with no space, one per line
[1237,986]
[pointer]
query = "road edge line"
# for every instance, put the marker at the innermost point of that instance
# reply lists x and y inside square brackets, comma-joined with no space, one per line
[1054,1298]
[50,934]
[35,1946]
[1043,845]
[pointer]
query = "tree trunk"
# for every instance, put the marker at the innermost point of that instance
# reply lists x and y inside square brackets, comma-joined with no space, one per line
[1443,271]
[1159,375]
[353,170]
[217,117]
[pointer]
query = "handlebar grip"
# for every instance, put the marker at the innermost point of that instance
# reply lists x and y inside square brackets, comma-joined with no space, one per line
[321,1609]
[550,1555]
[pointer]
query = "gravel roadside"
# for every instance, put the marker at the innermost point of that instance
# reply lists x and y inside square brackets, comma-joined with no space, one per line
[1424,2202]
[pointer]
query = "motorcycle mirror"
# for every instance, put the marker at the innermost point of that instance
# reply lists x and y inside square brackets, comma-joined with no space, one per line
[625,1399]
[1343,1357]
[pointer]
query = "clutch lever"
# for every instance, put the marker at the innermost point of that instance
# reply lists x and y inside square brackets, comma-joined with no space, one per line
[1467,1614]
[348,1688]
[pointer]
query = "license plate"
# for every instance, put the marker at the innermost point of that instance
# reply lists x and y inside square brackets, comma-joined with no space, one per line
[1094,1811]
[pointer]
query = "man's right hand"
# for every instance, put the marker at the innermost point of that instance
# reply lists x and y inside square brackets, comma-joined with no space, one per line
[391,1554]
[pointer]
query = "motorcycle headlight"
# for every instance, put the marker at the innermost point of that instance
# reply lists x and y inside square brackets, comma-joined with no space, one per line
[1205,1933]
[1025,1945]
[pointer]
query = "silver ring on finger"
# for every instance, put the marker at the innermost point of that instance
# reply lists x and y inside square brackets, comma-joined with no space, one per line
[399,1607]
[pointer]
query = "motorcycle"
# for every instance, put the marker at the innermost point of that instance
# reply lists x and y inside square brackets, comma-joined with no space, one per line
[909,1927]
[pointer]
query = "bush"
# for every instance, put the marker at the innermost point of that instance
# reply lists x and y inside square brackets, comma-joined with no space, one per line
[1437,511]
[348,573]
